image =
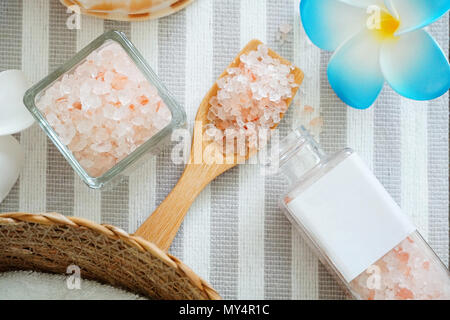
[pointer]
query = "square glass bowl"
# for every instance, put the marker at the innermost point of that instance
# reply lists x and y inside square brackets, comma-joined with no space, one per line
[150,147]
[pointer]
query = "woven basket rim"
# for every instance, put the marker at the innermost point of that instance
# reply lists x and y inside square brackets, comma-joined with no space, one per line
[114,233]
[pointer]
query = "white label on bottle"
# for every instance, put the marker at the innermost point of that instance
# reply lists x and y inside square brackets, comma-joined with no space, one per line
[351,217]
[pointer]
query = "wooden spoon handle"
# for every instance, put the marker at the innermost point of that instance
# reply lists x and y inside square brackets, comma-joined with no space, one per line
[162,226]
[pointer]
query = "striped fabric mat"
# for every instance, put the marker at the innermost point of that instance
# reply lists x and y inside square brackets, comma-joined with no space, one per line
[235,236]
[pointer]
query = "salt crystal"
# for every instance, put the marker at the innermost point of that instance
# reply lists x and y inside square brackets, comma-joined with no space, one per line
[84,126]
[90,101]
[86,163]
[137,121]
[100,87]
[78,144]
[101,147]
[121,113]
[284,30]
[104,109]
[52,119]
[101,134]
[66,134]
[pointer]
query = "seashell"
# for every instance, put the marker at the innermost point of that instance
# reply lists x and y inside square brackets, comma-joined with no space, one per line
[128,10]
[12,157]
[14,116]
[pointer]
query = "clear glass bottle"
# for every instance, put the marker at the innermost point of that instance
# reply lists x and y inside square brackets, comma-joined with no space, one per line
[357,230]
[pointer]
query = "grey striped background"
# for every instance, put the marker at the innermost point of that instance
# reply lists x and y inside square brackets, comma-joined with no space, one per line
[234,235]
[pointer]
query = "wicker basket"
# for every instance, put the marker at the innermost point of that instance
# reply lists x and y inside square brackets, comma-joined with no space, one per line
[50,242]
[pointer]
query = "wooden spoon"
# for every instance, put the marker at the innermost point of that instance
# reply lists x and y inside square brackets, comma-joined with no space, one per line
[162,226]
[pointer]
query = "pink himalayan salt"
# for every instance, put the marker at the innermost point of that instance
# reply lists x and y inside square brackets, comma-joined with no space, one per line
[104,109]
[316,122]
[308,109]
[250,99]
[283,32]
[409,271]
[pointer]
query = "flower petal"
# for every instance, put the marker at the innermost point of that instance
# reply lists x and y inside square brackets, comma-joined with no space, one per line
[364,3]
[415,66]
[416,14]
[354,71]
[328,23]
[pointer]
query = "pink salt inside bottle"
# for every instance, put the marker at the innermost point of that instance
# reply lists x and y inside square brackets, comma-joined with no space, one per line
[357,230]
[410,271]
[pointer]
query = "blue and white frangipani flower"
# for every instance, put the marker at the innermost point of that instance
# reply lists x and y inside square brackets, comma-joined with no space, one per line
[377,40]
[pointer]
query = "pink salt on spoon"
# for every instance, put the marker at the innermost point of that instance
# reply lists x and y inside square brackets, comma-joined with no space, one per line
[104,109]
[251,95]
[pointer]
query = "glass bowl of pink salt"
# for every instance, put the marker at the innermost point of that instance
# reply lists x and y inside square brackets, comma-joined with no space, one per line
[105,109]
